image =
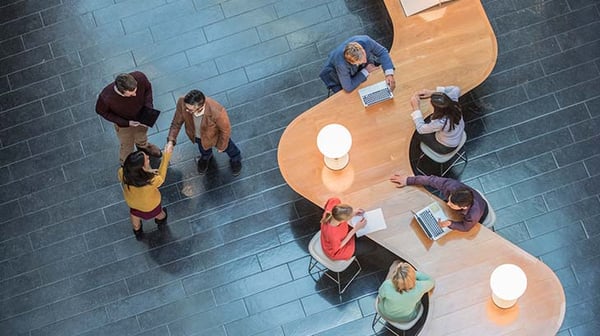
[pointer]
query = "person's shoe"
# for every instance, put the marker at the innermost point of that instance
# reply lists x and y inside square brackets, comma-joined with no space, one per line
[236,168]
[151,150]
[162,222]
[139,233]
[203,166]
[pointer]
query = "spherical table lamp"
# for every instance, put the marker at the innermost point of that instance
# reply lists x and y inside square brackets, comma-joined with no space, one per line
[508,283]
[334,142]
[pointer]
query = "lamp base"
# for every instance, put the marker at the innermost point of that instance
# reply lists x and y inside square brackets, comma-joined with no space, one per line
[337,163]
[502,303]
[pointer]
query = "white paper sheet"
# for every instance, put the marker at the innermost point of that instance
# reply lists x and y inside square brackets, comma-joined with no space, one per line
[414,6]
[375,222]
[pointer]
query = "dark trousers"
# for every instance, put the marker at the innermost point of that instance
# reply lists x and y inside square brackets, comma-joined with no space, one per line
[232,150]
[431,142]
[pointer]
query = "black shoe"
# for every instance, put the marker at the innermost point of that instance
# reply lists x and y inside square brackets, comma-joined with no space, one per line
[162,222]
[203,166]
[236,168]
[139,233]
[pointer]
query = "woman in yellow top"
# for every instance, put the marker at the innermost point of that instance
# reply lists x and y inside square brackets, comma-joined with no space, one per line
[140,188]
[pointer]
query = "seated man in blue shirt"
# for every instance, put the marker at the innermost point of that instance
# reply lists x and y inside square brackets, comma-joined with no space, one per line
[350,63]
[459,197]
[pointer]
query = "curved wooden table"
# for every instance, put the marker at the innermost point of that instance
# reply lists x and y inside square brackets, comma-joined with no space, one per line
[448,45]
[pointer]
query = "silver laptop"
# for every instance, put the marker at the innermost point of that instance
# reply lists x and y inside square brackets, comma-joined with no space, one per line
[428,220]
[375,93]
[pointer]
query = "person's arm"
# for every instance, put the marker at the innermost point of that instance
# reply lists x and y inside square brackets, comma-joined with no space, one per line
[224,126]
[423,127]
[361,224]
[425,281]
[104,110]
[349,83]
[159,179]
[384,58]
[145,83]
[382,54]
[176,123]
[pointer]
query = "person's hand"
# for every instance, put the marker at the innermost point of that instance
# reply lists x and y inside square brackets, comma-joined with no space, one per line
[399,179]
[391,82]
[361,224]
[168,147]
[133,123]
[445,223]
[359,212]
[370,67]
[425,93]
[415,102]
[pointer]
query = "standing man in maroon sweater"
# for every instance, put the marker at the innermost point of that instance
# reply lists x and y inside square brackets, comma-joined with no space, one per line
[120,103]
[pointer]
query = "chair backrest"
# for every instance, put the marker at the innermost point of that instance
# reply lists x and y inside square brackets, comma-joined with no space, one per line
[490,219]
[401,326]
[316,251]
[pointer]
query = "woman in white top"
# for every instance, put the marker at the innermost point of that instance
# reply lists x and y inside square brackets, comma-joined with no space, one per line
[443,130]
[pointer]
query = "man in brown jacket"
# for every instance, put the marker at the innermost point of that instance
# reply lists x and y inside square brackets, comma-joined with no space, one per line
[207,124]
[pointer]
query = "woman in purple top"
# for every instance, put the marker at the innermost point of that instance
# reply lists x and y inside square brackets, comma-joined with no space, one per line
[459,197]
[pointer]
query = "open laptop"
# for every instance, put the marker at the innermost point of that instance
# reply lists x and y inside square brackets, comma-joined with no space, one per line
[148,116]
[375,93]
[428,220]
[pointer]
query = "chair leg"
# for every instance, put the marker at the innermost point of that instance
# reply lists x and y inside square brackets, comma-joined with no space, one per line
[462,155]
[375,320]
[418,162]
[352,279]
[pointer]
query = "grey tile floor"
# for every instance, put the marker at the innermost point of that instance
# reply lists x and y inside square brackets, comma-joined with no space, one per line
[234,259]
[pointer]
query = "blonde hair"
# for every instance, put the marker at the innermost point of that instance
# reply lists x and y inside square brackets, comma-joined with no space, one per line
[353,52]
[340,212]
[404,278]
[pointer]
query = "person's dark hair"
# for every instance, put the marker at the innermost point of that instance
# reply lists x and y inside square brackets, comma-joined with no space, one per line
[125,82]
[462,197]
[194,97]
[443,106]
[133,171]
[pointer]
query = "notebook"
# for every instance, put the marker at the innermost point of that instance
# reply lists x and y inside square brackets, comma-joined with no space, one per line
[375,222]
[148,116]
[375,93]
[428,220]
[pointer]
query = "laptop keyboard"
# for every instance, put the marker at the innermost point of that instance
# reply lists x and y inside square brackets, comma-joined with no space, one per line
[377,96]
[430,223]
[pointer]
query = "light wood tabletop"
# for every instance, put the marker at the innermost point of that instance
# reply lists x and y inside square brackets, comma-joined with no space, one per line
[452,44]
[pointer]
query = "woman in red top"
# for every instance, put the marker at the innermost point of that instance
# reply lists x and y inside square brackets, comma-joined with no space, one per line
[337,239]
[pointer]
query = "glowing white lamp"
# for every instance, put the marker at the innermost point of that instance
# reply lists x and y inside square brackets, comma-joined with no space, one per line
[508,283]
[334,142]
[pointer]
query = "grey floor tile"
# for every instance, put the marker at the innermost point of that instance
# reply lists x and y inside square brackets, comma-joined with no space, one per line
[234,252]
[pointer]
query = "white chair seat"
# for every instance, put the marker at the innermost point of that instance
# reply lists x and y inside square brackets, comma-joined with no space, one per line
[443,158]
[490,219]
[400,326]
[318,257]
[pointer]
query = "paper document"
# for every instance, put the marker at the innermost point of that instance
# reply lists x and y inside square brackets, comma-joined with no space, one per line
[375,222]
[414,6]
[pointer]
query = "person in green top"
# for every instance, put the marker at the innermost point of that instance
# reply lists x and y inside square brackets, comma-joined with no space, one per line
[400,294]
